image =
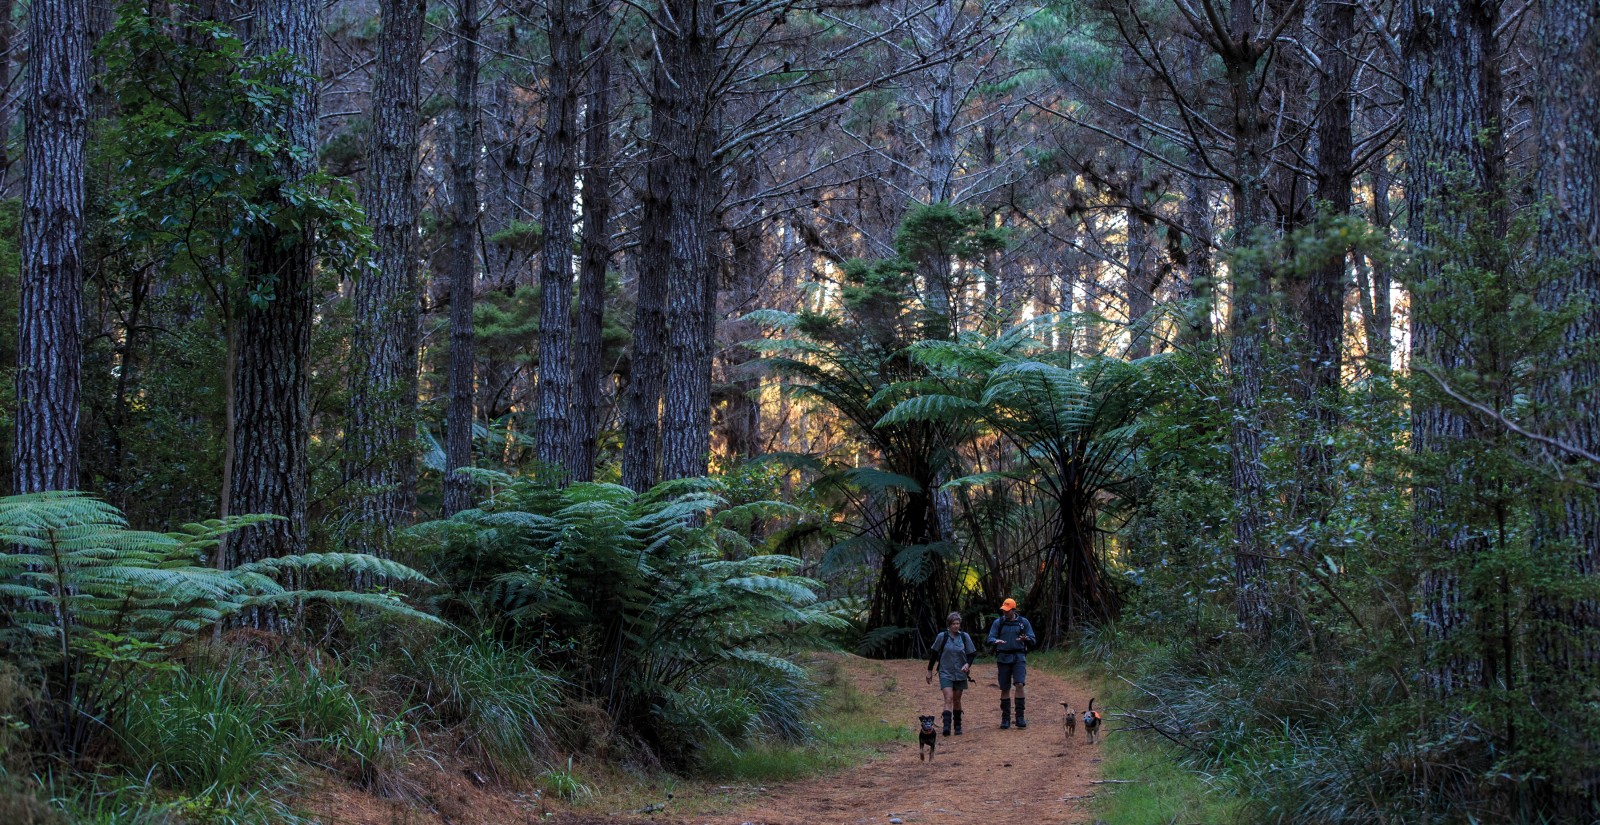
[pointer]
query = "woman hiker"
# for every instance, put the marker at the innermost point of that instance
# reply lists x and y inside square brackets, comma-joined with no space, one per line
[953,651]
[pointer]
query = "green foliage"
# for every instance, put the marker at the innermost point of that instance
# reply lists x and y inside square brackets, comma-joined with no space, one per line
[665,613]
[199,157]
[100,607]
[564,783]
[198,735]
[502,694]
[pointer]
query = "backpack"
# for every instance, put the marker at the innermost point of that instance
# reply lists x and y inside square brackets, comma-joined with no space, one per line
[945,642]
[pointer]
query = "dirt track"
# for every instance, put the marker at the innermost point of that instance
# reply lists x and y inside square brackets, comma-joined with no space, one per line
[987,775]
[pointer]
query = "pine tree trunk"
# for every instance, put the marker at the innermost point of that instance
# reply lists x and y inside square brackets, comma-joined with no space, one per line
[49,341]
[383,393]
[272,358]
[684,127]
[463,261]
[741,416]
[1246,329]
[8,11]
[1454,164]
[1567,109]
[553,441]
[1143,275]
[1324,313]
[587,340]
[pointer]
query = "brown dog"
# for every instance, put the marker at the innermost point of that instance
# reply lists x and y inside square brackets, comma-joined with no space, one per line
[1091,723]
[927,737]
[1069,725]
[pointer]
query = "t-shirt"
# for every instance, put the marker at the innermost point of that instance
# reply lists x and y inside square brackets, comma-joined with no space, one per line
[1008,633]
[951,653]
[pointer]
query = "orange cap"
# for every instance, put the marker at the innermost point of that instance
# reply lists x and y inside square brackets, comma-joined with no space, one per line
[1007,605]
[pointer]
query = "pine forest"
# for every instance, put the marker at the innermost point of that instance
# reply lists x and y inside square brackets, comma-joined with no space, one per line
[705,411]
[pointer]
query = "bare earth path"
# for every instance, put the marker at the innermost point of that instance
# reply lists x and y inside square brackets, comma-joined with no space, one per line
[987,775]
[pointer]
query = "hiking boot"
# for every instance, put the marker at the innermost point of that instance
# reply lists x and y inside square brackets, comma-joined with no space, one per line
[958,723]
[1022,719]
[947,723]
[1005,714]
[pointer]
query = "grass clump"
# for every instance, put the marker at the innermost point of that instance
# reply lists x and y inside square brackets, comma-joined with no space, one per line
[849,731]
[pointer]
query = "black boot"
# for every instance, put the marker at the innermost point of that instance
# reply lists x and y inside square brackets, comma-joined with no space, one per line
[1005,714]
[958,723]
[947,723]
[1022,713]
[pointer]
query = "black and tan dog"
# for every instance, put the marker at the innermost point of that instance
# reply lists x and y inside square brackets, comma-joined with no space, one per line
[1069,725]
[1091,723]
[927,737]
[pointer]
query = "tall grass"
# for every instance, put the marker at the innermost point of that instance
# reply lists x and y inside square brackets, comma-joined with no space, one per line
[502,697]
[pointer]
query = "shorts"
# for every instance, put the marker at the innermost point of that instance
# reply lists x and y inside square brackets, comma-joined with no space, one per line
[956,684]
[1014,672]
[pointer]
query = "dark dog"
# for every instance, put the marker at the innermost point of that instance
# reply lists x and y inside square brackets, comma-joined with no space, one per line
[927,737]
[1091,723]
[1069,726]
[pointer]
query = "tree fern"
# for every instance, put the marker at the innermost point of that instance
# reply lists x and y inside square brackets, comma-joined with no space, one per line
[670,610]
[98,604]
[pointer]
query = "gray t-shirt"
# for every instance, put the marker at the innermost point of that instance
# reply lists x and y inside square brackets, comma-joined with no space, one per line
[952,654]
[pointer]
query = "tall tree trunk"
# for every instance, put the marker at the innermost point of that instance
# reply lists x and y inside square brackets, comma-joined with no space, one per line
[383,393]
[49,343]
[1373,280]
[1324,308]
[741,417]
[684,128]
[1567,109]
[588,342]
[463,263]
[1200,271]
[1143,275]
[8,13]
[1246,329]
[272,357]
[553,441]
[1454,166]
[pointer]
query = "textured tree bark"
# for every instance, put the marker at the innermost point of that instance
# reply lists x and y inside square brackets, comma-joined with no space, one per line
[1451,69]
[684,129]
[463,261]
[1324,307]
[272,358]
[1567,109]
[587,339]
[49,342]
[8,10]
[553,441]
[1143,276]
[383,392]
[1246,328]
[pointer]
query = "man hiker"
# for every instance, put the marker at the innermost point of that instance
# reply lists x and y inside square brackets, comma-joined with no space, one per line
[1011,634]
[954,652]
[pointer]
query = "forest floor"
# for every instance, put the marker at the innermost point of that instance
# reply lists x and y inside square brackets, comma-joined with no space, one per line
[987,775]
